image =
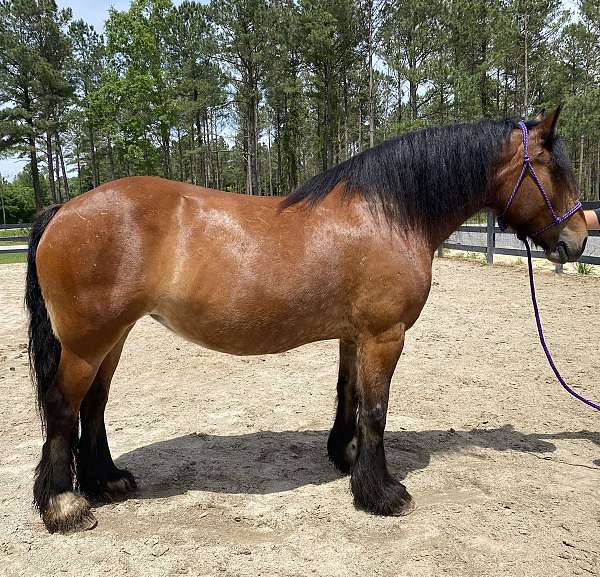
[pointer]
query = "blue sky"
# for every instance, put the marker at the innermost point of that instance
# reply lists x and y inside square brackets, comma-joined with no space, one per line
[94,12]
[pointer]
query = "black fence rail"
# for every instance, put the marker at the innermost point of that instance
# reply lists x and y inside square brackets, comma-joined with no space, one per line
[491,248]
[22,239]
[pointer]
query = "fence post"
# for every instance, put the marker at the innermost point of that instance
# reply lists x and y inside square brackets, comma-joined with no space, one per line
[491,237]
[441,250]
[558,268]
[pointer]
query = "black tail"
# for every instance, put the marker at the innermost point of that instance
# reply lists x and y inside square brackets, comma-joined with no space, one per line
[44,347]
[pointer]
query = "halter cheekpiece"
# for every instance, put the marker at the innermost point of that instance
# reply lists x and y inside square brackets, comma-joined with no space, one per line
[528,169]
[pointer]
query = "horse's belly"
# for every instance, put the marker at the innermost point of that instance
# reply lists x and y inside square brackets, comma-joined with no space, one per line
[241,335]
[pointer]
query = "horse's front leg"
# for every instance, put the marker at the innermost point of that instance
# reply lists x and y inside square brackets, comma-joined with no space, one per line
[374,488]
[342,443]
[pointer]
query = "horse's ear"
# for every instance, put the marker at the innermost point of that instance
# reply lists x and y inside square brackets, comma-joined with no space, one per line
[547,125]
[541,115]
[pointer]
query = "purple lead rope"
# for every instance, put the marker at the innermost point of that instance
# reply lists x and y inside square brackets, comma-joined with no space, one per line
[543,340]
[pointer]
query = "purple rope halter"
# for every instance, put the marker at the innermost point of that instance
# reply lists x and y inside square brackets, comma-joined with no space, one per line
[556,220]
[528,169]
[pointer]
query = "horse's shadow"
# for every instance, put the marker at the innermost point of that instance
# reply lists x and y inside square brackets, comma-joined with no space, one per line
[268,461]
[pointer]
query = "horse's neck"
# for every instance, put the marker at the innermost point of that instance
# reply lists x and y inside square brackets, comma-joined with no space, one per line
[441,231]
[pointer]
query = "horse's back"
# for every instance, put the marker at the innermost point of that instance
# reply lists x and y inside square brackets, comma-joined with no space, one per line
[194,257]
[232,272]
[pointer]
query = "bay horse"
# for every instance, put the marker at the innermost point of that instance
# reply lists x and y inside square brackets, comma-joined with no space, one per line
[348,255]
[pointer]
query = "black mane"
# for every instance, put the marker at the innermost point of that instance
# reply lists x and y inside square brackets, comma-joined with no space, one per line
[419,178]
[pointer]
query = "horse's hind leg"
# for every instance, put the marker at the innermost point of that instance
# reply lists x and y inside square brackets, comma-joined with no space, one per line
[374,488]
[342,442]
[98,476]
[61,508]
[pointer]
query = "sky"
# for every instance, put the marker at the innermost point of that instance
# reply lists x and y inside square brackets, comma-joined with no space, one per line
[95,12]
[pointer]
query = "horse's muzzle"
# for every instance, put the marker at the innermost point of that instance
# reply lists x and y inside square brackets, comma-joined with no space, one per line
[566,250]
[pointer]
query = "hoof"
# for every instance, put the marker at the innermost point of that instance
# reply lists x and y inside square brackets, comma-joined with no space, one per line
[118,489]
[388,498]
[402,507]
[68,513]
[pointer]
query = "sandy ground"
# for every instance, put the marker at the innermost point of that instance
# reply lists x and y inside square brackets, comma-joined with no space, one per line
[230,452]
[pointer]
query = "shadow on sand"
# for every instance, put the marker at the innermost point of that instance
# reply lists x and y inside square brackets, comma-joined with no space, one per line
[268,461]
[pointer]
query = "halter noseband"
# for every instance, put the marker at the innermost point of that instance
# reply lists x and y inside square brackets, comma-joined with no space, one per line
[528,168]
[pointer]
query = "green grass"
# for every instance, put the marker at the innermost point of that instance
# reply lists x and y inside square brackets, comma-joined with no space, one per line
[13,232]
[477,218]
[583,268]
[12,258]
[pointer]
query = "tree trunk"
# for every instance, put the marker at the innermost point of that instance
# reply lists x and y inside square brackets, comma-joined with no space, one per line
[59,195]
[330,122]
[483,82]
[346,113]
[278,138]
[526,71]
[201,154]
[166,146]
[193,170]
[360,120]
[252,182]
[269,160]
[61,157]
[146,163]
[180,156]
[95,173]
[111,159]
[216,141]
[79,171]
[598,171]
[209,159]
[399,102]
[412,92]
[371,103]
[35,174]
[581,146]
[49,158]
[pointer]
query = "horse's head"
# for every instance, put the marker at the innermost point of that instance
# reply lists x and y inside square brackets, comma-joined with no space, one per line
[537,193]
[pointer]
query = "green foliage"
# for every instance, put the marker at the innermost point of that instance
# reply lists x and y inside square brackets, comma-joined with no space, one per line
[258,95]
[18,201]
[583,268]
